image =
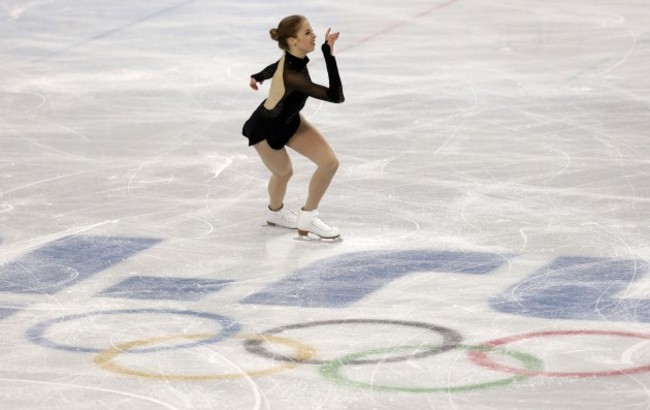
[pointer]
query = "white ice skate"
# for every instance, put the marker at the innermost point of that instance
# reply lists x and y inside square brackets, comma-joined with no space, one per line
[282,217]
[309,221]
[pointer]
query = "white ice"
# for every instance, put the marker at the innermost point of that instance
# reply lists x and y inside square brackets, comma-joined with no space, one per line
[509,128]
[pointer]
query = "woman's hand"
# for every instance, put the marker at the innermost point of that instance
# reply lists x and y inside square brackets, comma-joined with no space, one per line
[330,39]
[253,84]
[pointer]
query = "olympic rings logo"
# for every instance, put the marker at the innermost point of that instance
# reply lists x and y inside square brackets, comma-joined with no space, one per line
[520,365]
[105,358]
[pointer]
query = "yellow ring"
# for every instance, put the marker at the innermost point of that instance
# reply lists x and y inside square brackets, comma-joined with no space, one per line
[105,358]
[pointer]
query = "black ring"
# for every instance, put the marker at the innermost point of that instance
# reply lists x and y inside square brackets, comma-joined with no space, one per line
[451,339]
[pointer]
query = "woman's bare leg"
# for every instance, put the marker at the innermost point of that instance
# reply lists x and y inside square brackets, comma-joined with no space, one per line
[279,163]
[309,142]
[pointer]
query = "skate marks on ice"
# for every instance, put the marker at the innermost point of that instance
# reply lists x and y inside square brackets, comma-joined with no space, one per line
[578,288]
[65,262]
[74,388]
[110,32]
[7,310]
[380,355]
[342,280]
[414,357]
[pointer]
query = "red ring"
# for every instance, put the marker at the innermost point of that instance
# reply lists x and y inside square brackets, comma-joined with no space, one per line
[481,358]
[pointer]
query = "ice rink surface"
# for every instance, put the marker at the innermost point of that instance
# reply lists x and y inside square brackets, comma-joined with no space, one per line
[493,198]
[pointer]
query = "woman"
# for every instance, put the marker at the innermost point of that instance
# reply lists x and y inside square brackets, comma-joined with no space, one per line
[277,122]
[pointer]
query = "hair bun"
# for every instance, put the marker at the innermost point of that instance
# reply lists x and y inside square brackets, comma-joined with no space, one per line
[275,35]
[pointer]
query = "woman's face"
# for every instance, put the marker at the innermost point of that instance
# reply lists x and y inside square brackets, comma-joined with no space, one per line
[305,39]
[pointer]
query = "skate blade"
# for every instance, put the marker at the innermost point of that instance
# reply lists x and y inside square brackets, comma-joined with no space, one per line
[307,238]
[274,225]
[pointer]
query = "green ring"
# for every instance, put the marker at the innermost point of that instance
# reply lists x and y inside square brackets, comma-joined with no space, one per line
[331,370]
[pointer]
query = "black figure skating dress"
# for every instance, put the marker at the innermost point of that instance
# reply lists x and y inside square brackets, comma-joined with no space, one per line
[278,117]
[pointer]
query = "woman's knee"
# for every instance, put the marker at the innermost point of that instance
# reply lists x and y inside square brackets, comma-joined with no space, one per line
[329,164]
[284,174]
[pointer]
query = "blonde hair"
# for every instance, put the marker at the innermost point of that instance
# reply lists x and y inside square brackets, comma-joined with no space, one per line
[288,27]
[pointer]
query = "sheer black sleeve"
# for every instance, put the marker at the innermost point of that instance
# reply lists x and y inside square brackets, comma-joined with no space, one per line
[297,81]
[266,73]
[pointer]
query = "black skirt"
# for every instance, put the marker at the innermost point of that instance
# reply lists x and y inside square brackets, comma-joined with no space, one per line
[276,130]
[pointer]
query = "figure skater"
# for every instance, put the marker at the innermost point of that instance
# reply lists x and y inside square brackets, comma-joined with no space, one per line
[277,122]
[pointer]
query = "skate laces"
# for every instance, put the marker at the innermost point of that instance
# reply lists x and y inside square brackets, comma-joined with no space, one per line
[289,216]
[320,224]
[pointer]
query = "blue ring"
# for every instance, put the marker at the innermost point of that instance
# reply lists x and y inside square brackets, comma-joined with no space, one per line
[36,332]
